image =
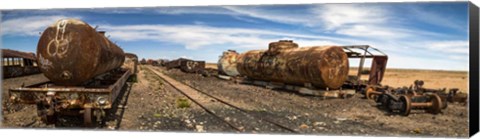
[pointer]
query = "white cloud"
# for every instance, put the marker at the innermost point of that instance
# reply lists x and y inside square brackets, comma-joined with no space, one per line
[194,10]
[335,16]
[370,31]
[459,57]
[345,24]
[452,46]
[199,36]
[28,26]
[283,16]
[369,21]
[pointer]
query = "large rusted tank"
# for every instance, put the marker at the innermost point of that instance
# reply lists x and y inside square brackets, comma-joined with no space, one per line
[320,66]
[71,52]
[191,66]
[131,62]
[227,64]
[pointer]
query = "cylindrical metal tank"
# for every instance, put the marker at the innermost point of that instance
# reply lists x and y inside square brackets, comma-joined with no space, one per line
[320,66]
[131,62]
[227,64]
[71,52]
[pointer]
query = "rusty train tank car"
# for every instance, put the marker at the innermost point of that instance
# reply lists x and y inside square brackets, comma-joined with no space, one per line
[131,62]
[324,67]
[86,73]
[70,52]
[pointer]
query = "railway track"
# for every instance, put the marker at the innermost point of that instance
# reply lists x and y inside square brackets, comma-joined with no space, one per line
[246,123]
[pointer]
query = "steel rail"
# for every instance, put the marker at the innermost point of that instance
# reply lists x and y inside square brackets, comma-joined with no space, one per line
[231,105]
[196,102]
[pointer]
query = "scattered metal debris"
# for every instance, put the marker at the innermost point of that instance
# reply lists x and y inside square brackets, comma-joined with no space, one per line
[186,65]
[143,61]
[403,99]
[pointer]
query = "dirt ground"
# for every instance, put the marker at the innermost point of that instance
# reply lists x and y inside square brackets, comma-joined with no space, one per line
[352,116]
[432,78]
[150,104]
[22,114]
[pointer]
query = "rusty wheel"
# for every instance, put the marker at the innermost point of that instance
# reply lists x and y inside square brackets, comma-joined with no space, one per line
[46,113]
[368,93]
[89,118]
[436,104]
[444,103]
[407,105]
[49,119]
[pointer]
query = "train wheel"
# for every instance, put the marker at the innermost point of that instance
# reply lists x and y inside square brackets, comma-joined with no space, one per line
[89,118]
[384,100]
[49,119]
[436,104]
[444,104]
[46,114]
[368,93]
[407,105]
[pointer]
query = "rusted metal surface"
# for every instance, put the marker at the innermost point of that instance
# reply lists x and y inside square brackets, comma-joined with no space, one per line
[454,95]
[191,66]
[186,65]
[131,62]
[16,63]
[143,61]
[404,103]
[173,64]
[403,99]
[377,69]
[16,71]
[71,52]
[177,63]
[227,64]
[18,54]
[162,62]
[323,67]
[52,99]
[152,62]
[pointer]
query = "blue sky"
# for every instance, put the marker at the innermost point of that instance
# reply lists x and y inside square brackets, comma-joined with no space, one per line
[414,35]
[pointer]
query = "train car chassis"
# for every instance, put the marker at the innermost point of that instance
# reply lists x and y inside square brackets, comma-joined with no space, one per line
[91,100]
[307,89]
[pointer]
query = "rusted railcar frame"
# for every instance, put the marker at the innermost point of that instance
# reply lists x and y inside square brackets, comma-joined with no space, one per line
[25,94]
[191,66]
[18,54]
[112,90]
[379,62]
[26,64]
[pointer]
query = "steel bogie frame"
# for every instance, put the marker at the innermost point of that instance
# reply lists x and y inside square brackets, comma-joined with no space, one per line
[405,99]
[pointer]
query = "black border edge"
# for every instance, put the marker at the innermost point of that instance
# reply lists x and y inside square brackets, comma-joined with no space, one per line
[473,69]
